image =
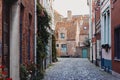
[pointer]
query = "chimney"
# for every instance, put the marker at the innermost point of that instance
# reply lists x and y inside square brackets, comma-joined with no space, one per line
[69,15]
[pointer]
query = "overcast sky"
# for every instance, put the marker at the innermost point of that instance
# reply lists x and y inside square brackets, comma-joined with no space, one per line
[76,6]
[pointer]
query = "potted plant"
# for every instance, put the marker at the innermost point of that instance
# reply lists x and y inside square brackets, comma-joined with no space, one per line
[106,47]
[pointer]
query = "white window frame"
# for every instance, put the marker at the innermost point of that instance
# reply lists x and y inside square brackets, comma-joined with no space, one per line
[106,27]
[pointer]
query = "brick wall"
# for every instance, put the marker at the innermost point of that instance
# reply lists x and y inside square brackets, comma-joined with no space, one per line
[28,11]
[0,31]
[73,29]
[115,21]
[57,17]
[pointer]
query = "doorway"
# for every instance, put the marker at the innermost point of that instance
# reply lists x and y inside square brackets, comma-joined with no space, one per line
[84,53]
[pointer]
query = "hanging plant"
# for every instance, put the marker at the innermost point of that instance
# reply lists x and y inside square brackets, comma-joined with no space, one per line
[54,52]
[106,47]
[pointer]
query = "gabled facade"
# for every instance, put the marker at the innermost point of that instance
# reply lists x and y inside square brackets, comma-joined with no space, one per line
[82,48]
[57,17]
[70,35]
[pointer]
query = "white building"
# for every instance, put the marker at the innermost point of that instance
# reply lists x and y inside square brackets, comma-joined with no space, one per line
[106,34]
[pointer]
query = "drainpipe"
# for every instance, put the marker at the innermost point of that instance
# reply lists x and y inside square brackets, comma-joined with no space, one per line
[90,30]
[35,35]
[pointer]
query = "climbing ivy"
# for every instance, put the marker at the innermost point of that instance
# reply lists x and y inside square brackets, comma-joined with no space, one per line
[54,52]
[43,24]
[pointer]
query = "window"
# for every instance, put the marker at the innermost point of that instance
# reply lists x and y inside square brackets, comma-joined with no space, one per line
[57,45]
[106,38]
[21,25]
[117,43]
[63,47]
[85,28]
[62,35]
[29,34]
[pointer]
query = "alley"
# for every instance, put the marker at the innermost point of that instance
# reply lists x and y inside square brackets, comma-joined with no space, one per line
[76,69]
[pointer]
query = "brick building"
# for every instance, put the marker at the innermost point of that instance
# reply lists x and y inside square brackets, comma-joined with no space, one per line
[16,35]
[70,34]
[97,33]
[27,31]
[115,36]
[1,10]
[57,17]
[82,49]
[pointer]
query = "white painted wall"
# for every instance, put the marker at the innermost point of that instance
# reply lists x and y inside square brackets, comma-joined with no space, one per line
[14,42]
[105,55]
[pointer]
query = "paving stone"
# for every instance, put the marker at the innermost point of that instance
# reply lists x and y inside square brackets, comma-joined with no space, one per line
[76,69]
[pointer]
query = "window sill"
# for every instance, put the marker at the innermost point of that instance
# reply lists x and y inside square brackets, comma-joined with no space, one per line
[114,1]
[117,59]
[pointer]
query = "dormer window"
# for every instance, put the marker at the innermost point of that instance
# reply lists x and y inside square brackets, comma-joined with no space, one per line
[62,35]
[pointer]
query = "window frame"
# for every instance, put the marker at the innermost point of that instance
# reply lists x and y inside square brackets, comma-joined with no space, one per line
[62,35]
[63,47]
[57,45]
[117,43]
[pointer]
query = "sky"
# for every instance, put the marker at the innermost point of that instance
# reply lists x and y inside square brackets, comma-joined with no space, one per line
[77,7]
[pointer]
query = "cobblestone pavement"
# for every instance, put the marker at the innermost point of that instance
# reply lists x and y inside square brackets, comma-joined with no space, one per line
[76,69]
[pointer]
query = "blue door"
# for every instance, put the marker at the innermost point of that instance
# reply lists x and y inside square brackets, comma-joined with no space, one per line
[84,53]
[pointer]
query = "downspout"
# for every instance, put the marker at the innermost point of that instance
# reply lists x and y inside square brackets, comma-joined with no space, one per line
[35,35]
[90,30]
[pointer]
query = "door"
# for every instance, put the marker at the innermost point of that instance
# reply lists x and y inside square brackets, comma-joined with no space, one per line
[84,53]
[64,49]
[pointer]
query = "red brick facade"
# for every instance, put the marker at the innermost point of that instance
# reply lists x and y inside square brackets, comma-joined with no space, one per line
[76,29]
[1,31]
[115,21]
[27,30]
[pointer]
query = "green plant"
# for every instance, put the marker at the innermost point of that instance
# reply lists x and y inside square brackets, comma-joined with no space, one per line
[106,47]
[43,25]
[54,52]
[23,72]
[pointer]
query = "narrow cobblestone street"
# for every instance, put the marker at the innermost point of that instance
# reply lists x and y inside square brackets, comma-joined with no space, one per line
[76,69]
